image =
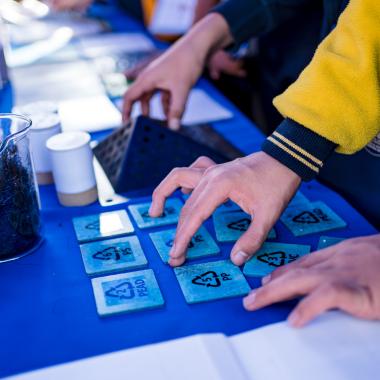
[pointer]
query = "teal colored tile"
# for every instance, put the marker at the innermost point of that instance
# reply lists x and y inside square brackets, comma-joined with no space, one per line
[313,218]
[229,226]
[272,256]
[326,241]
[114,255]
[299,199]
[103,225]
[201,245]
[126,292]
[211,281]
[140,213]
[228,207]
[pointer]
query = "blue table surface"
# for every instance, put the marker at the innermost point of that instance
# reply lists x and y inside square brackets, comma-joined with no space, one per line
[47,308]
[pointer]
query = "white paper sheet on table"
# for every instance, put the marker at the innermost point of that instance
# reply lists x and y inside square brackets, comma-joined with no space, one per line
[200,108]
[89,114]
[173,17]
[334,347]
[109,43]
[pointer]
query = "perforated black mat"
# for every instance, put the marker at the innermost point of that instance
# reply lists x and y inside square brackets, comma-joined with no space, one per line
[140,156]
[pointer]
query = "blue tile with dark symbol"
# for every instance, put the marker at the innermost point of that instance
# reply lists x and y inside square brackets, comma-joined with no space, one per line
[103,225]
[126,292]
[272,256]
[113,255]
[201,245]
[229,226]
[140,213]
[211,281]
[312,218]
[326,241]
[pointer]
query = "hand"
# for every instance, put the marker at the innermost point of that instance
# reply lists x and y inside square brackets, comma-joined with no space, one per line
[258,183]
[76,5]
[344,276]
[177,70]
[222,63]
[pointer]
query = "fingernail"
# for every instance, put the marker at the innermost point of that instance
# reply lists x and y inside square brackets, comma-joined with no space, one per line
[174,124]
[249,300]
[151,209]
[294,319]
[265,279]
[240,257]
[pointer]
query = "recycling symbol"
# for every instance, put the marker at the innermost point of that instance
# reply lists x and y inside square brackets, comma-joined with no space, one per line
[112,253]
[208,279]
[123,291]
[240,225]
[170,242]
[306,217]
[277,259]
[93,225]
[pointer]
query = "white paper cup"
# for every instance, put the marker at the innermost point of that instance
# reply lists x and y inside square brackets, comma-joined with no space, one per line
[73,170]
[43,127]
[42,106]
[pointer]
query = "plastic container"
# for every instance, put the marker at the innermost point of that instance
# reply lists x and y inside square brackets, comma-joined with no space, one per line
[19,200]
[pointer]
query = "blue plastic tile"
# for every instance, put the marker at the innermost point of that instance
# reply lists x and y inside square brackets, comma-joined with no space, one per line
[308,219]
[201,245]
[229,226]
[272,256]
[140,213]
[228,206]
[211,281]
[126,292]
[326,241]
[114,255]
[103,225]
[299,199]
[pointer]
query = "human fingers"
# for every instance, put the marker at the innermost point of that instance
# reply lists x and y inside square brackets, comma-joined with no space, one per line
[293,284]
[201,162]
[134,93]
[178,98]
[352,299]
[193,214]
[178,177]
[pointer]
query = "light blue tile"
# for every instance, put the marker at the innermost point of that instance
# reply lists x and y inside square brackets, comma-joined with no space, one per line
[229,226]
[140,213]
[272,256]
[127,292]
[202,244]
[299,199]
[228,207]
[326,241]
[308,219]
[211,281]
[114,255]
[103,225]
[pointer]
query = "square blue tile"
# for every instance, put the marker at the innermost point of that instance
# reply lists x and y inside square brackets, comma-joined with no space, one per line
[126,292]
[201,245]
[272,256]
[113,255]
[326,241]
[229,226]
[309,219]
[299,199]
[211,281]
[228,207]
[103,225]
[140,213]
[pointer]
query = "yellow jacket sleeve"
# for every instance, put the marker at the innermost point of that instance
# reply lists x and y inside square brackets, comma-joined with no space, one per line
[338,95]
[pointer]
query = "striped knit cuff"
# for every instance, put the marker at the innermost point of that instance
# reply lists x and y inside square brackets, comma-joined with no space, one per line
[299,148]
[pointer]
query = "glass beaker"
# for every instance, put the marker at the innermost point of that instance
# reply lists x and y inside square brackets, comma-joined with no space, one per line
[19,199]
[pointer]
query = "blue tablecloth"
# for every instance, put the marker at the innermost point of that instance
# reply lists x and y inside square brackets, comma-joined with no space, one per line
[47,308]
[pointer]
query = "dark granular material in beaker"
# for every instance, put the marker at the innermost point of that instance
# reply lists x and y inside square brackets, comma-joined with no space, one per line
[19,207]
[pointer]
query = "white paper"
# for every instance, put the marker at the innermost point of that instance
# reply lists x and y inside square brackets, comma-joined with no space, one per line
[200,108]
[333,347]
[111,43]
[173,17]
[89,114]
[198,357]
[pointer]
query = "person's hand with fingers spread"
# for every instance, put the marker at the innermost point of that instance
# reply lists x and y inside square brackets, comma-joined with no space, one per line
[177,70]
[344,276]
[258,183]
